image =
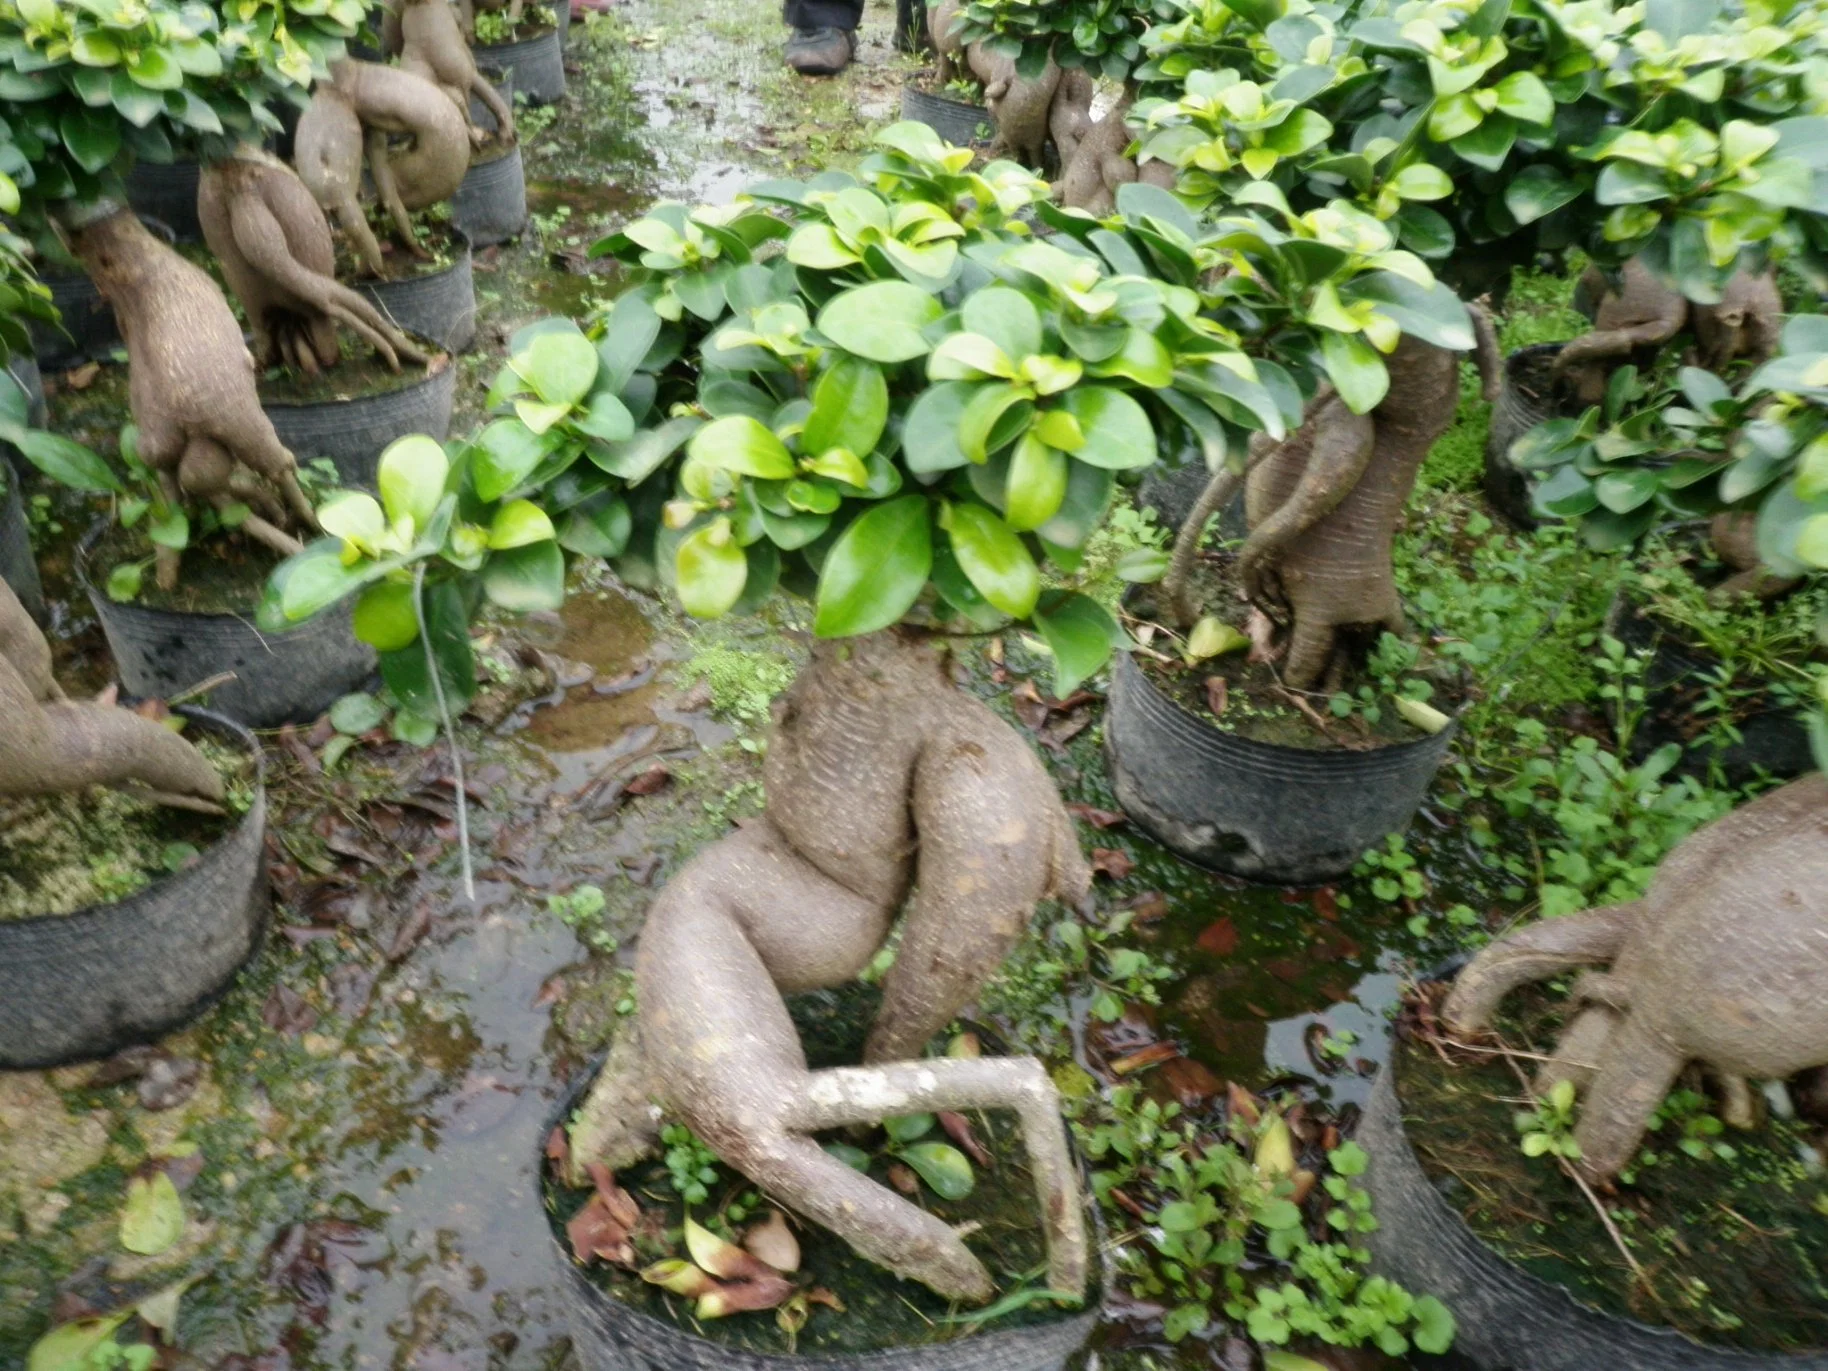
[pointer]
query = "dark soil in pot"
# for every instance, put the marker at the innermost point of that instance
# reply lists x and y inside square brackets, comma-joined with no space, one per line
[963,122]
[1727,1226]
[136,916]
[432,296]
[350,413]
[165,643]
[1531,394]
[18,567]
[491,204]
[886,1324]
[534,52]
[1679,681]
[167,192]
[1227,769]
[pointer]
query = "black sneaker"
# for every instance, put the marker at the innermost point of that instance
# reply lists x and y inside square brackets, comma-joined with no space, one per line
[820,52]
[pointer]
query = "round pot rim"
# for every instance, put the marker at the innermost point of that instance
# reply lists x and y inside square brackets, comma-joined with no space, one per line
[501,154]
[891,1358]
[1748,1357]
[85,548]
[97,914]
[441,375]
[1269,751]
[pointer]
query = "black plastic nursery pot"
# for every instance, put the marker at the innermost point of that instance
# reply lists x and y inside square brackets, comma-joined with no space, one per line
[1171,496]
[610,1335]
[167,192]
[1282,815]
[491,204]
[88,330]
[1528,396]
[18,568]
[74,987]
[439,305]
[957,121]
[353,433]
[503,81]
[1772,738]
[277,678]
[537,64]
[1509,1319]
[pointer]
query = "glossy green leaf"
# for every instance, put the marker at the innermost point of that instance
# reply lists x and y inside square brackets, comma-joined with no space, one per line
[943,1167]
[628,335]
[600,527]
[447,631]
[850,408]
[385,618]
[710,570]
[1080,632]
[518,524]
[876,570]
[1118,434]
[411,477]
[994,558]
[744,445]
[505,453]
[1356,370]
[930,435]
[1036,486]
[560,366]
[644,454]
[356,713]
[906,1128]
[881,321]
[68,463]
[1005,316]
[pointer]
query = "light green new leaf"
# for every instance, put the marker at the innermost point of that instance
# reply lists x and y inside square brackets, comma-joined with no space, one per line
[560,366]
[518,523]
[881,321]
[711,570]
[850,408]
[411,478]
[1036,484]
[1118,434]
[741,444]
[154,1216]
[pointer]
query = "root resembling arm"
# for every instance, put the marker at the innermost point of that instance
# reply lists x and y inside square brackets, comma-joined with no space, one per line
[491,98]
[23,648]
[1339,453]
[382,170]
[1535,953]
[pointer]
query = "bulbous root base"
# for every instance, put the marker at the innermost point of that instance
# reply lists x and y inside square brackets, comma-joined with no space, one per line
[50,744]
[798,899]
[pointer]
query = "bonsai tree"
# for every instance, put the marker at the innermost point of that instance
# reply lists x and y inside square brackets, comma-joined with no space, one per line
[884,391]
[83,92]
[431,44]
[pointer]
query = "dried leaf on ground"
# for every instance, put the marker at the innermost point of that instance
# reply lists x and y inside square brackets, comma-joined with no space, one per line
[1097,818]
[1112,862]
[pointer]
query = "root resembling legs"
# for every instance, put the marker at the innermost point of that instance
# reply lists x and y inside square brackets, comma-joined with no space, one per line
[754,917]
[1534,954]
[1636,1077]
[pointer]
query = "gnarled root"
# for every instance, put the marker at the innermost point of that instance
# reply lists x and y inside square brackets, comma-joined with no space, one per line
[190,379]
[875,759]
[1533,954]
[50,744]
[432,45]
[274,244]
[1098,166]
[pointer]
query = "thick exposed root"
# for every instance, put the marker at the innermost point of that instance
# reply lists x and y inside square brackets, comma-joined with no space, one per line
[875,759]
[50,744]
[1534,954]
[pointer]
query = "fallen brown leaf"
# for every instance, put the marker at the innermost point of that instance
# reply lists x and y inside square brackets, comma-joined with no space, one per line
[959,1129]
[649,781]
[1152,1055]
[1097,818]
[904,1179]
[1218,939]
[1216,695]
[1112,862]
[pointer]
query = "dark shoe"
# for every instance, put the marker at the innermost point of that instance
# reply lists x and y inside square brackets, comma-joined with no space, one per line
[820,52]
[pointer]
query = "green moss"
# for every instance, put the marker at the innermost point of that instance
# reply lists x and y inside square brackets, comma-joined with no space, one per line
[743,681]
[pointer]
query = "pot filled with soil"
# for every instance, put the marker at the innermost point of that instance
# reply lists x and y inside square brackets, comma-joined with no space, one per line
[533,51]
[639,1298]
[433,296]
[491,204]
[1475,1202]
[167,192]
[352,412]
[120,919]
[1226,766]
[1530,394]
[18,567]
[1691,691]
[480,114]
[169,642]
[955,111]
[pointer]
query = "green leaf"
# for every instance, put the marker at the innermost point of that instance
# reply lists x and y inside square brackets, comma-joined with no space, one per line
[994,558]
[1118,435]
[741,444]
[942,1166]
[153,1219]
[711,570]
[504,454]
[518,524]
[526,578]
[930,434]
[385,618]
[876,570]
[1005,316]
[905,1128]
[1356,370]
[628,336]
[124,582]
[411,478]
[854,1157]
[1080,632]
[1523,96]
[996,412]
[68,463]
[600,527]
[850,409]
[1623,491]
[645,453]
[1280,1359]
[1276,1215]
[881,321]
[605,416]
[1036,484]
[357,713]
[93,138]
[70,1346]
[560,366]
[447,629]
[1434,1326]
[169,527]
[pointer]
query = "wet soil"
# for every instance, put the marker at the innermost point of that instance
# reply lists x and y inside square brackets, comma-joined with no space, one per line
[431,231]
[1733,1241]
[219,573]
[361,373]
